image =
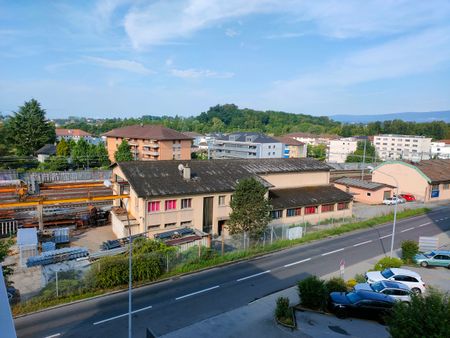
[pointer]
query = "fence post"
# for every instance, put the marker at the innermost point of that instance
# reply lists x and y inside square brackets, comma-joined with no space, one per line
[167,262]
[57,289]
[199,250]
[271,234]
[223,243]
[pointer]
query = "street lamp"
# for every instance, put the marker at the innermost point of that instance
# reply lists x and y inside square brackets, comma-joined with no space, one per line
[108,184]
[395,207]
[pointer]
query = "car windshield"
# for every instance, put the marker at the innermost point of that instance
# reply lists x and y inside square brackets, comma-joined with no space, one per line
[377,287]
[353,297]
[387,273]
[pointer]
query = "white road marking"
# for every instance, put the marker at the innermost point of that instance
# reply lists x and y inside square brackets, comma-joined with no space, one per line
[298,262]
[422,225]
[442,219]
[332,252]
[362,243]
[197,292]
[255,275]
[405,230]
[386,236]
[122,315]
[53,335]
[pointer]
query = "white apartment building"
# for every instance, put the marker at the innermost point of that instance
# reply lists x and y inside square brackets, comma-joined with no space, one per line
[339,149]
[440,149]
[407,147]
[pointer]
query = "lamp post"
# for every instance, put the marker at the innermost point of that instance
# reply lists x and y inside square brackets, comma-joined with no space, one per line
[395,207]
[108,184]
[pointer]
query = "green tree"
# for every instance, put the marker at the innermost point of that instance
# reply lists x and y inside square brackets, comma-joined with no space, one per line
[62,148]
[317,151]
[123,153]
[102,155]
[427,315]
[4,148]
[28,130]
[5,245]
[250,208]
[81,153]
[54,163]
[358,155]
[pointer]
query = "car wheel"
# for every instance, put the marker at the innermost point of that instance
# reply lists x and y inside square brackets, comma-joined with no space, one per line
[423,264]
[416,291]
[341,313]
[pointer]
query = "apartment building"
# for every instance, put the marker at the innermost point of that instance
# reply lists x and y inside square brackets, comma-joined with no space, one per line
[338,150]
[440,149]
[245,145]
[406,147]
[168,195]
[150,142]
[312,139]
[292,148]
[75,135]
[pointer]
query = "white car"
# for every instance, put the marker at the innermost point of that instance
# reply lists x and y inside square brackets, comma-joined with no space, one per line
[409,278]
[396,290]
[392,201]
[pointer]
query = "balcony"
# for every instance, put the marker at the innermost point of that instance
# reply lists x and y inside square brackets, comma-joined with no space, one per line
[150,152]
[150,144]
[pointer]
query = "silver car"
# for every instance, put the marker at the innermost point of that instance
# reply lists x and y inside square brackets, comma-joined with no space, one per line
[396,290]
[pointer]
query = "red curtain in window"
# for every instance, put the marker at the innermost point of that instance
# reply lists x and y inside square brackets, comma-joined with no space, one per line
[310,210]
[153,206]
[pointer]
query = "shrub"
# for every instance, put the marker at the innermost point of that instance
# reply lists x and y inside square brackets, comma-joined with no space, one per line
[409,250]
[426,316]
[388,262]
[336,284]
[283,312]
[313,293]
[360,278]
[146,267]
[110,272]
[351,283]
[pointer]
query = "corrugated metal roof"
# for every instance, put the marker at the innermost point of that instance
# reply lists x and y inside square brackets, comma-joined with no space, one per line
[354,182]
[437,170]
[162,178]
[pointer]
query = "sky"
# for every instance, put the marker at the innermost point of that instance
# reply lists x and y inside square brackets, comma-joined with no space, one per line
[123,58]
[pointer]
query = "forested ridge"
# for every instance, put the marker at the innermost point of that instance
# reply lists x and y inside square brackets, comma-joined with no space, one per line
[229,118]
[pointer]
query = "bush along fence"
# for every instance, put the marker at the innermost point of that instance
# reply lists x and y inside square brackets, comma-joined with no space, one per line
[153,261]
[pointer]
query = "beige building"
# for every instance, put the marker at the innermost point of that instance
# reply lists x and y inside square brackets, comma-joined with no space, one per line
[427,180]
[168,195]
[292,148]
[150,142]
[312,139]
[365,191]
[402,147]
[338,150]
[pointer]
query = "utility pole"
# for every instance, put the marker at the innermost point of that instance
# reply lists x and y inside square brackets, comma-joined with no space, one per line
[363,161]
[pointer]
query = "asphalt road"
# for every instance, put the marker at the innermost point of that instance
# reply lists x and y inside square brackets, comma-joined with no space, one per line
[167,306]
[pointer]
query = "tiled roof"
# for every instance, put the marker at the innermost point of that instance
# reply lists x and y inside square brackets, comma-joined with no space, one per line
[163,178]
[309,135]
[354,182]
[147,132]
[304,196]
[437,170]
[71,132]
[192,134]
[48,149]
[288,141]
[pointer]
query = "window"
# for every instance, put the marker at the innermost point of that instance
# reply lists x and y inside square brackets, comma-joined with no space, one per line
[369,194]
[276,214]
[186,224]
[294,212]
[445,186]
[342,205]
[222,200]
[153,227]
[170,225]
[310,210]
[170,204]
[186,203]
[153,206]
[327,207]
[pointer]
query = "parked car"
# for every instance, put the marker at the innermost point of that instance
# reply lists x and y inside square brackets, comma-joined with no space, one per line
[400,199]
[396,290]
[13,295]
[433,258]
[369,304]
[392,200]
[408,197]
[410,278]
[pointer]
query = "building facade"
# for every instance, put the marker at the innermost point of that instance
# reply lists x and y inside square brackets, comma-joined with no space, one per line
[150,142]
[338,150]
[402,147]
[166,195]
[440,149]
[427,180]
[245,145]
[365,191]
[75,135]
[292,148]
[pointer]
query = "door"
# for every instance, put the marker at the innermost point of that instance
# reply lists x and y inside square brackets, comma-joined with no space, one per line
[386,194]
[207,214]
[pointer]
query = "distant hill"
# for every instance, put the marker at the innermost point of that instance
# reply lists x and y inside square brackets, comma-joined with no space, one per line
[407,116]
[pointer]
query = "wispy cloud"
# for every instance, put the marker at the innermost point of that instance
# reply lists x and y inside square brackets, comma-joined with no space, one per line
[126,65]
[288,35]
[231,32]
[192,73]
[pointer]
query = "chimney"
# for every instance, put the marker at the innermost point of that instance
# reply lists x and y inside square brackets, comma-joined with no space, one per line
[187,173]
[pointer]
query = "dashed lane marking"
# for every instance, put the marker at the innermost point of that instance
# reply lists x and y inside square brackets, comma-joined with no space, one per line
[298,262]
[251,276]
[197,292]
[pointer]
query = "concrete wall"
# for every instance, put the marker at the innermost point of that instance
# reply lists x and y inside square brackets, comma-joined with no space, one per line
[361,195]
[295,180]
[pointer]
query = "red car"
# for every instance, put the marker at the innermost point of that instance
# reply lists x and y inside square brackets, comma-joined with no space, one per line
[408,197]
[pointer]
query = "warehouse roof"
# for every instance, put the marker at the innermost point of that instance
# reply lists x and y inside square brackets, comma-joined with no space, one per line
[163,178]
[147,132]
[436,170]
[297,197]
[354,182]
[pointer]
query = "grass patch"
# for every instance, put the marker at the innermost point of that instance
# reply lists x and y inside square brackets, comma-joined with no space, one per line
[39,303]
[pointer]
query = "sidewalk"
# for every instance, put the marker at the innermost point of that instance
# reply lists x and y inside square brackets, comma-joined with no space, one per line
[257,318]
